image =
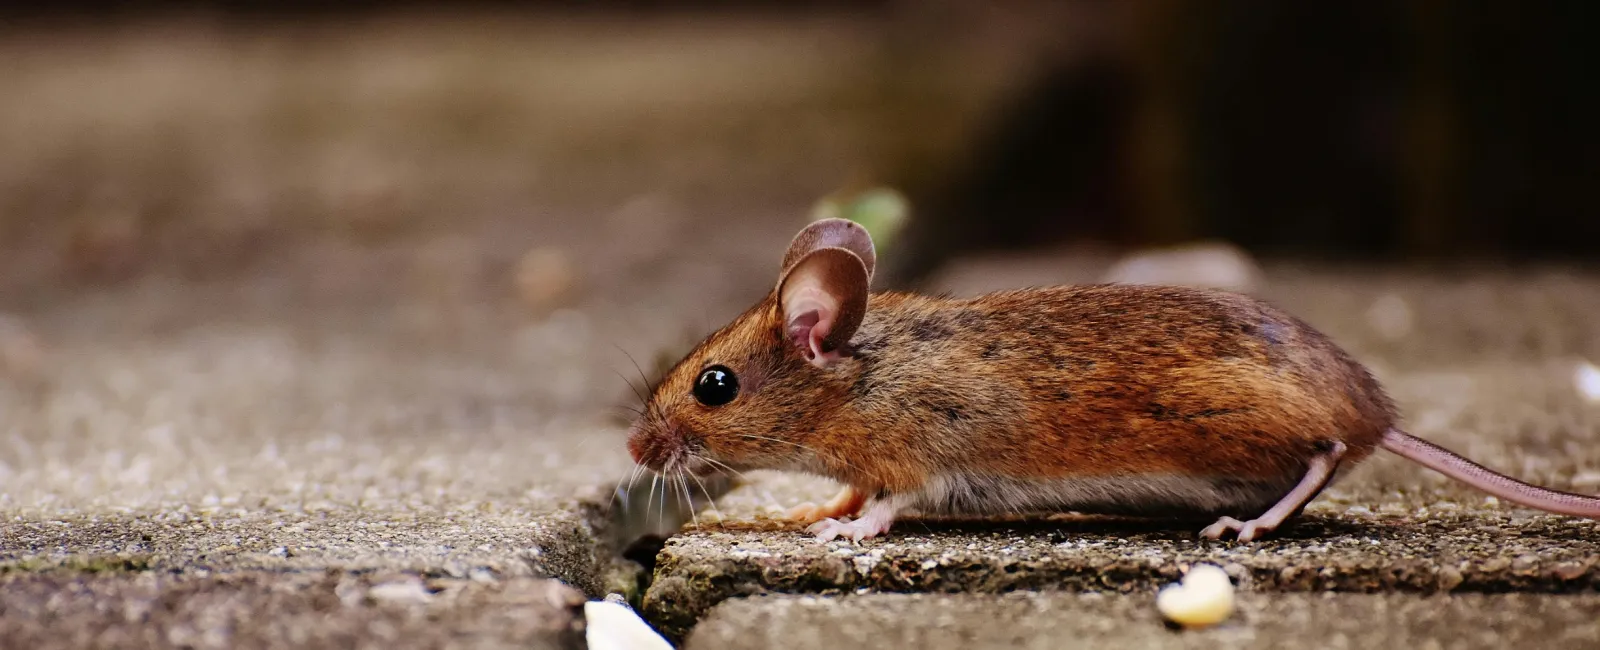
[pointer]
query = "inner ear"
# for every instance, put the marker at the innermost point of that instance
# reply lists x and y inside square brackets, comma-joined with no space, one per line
[833,233]
[823,297]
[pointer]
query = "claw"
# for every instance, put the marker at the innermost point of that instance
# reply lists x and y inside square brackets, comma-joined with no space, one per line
[1247,530]
[864,528]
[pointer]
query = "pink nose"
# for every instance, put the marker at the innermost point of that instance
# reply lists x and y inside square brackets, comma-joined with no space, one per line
[637,446]
[652,446]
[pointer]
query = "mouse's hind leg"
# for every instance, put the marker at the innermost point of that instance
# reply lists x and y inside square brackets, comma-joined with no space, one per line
[1318,471]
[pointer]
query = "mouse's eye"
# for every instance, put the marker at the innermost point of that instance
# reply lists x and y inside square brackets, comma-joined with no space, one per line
[716,386]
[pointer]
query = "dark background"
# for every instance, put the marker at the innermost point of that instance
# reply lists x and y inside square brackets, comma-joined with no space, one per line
[1405,131]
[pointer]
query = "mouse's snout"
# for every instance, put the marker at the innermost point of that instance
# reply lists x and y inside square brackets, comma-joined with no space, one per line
[655,444]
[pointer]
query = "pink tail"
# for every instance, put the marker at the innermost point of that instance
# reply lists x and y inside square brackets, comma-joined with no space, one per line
[1450,464]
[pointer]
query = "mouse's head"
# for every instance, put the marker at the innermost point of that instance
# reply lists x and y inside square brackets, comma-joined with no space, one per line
[749,394]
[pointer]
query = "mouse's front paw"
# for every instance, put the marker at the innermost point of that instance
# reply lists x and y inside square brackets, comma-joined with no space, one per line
[846,504]
[805,513]
[864,528]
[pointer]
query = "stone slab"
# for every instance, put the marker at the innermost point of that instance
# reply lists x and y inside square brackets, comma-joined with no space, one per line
[1066,620]
[1419,553]
[278,610]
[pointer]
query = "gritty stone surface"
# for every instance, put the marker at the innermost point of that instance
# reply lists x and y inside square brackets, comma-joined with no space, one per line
[1057,620]
[296,445]
[274,610]
[539,540]
[1418,552]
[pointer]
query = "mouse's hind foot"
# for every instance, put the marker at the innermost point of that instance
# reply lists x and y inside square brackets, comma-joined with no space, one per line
[1318,471]
[1247,530]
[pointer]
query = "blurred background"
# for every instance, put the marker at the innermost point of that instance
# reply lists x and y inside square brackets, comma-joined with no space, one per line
[473,216]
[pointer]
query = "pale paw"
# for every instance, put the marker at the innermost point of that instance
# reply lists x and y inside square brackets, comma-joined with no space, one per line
[1246,530]
[864,528]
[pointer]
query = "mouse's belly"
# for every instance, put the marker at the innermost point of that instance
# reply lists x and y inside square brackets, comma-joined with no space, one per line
[1134,494]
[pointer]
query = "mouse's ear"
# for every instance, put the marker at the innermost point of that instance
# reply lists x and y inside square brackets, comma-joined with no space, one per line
[823,296]
[832,233]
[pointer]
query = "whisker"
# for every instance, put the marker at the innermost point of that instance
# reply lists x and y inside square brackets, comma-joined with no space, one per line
[633,477]
[654,479]
[622,488]
[724,466]
[661,512]
[642,378]
[688,499]
[709,500]
[629,382]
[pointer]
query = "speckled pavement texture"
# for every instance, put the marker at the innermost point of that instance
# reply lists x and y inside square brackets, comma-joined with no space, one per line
[1069,620]
[274,609]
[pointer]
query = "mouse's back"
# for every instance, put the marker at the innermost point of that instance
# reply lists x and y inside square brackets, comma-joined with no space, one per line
[1110,381]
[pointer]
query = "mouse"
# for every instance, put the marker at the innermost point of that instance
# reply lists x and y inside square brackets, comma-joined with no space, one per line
[1132,400]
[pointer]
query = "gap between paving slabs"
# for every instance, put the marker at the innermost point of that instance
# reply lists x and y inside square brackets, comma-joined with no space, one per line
[1432,552]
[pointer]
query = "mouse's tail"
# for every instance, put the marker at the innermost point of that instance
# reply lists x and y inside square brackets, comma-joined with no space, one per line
[1455,466]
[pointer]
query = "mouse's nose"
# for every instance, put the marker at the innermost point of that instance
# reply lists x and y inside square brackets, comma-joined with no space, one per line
[637,447]
[650,446]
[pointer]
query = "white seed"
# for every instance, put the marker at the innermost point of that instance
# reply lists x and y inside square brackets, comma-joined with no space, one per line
[613,626]
[1204,598]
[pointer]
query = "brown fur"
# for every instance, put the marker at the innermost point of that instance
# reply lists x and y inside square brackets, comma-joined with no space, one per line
[1089,381]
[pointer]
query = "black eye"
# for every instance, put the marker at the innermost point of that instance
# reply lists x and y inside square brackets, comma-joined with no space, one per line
[716,386]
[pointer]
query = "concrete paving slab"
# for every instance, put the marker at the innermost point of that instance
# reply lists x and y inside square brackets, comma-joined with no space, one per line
[1419,553]
[297,446]
[1066,620]
[273,610]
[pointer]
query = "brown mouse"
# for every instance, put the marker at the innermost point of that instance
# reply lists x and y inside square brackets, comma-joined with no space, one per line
[1113,399]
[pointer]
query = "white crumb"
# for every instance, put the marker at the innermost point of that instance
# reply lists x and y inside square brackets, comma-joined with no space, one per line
[1204,598]
[614,626]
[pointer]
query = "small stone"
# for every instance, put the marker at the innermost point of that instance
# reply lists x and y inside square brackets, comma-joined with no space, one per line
[1587,379]
[1586,480]
[546,278]
[1390,316]
[1450,578]
[1569,570]
[406,591]
[1206,264]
